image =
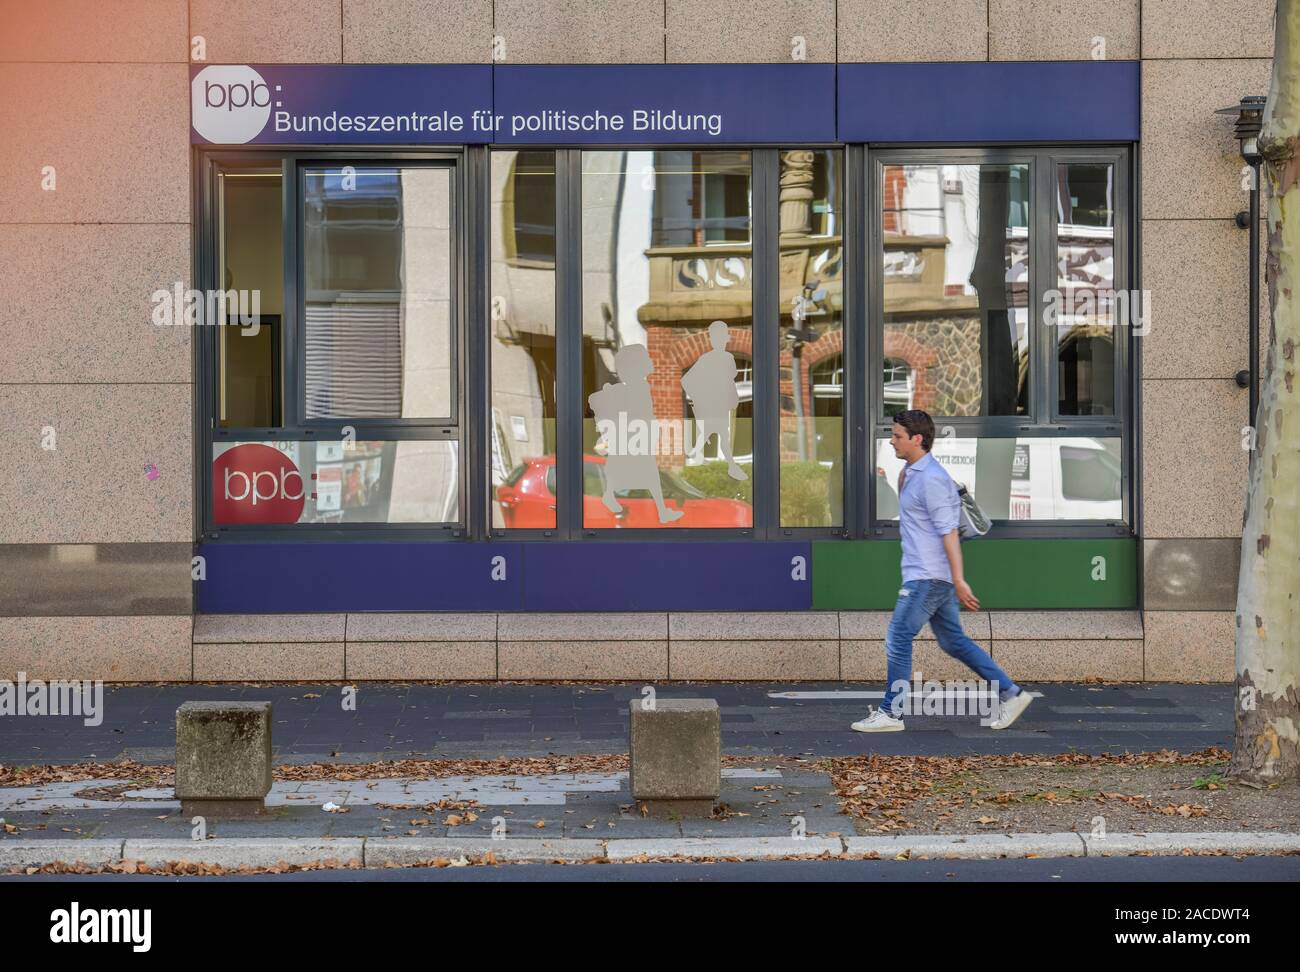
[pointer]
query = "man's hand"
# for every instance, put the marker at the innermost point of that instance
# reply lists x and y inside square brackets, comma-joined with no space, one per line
[967,597]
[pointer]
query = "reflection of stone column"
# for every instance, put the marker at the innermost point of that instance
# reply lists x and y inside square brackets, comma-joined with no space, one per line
[796,193]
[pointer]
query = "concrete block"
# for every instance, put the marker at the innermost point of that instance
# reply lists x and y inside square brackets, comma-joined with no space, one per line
[675,750]
[223,755]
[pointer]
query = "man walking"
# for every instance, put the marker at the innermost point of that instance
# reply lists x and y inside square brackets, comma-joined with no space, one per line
[933,582]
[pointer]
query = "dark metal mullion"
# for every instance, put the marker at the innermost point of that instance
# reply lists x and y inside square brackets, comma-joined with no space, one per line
[860,280]
[1042,277]
[1123,272]
[766,309]
[293,388]
[204,357]
[568,343]
[474,293]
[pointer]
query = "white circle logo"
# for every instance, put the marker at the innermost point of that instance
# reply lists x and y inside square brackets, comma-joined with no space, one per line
[229,104]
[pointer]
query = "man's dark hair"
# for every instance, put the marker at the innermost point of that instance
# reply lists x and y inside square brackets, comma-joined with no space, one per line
[917,422]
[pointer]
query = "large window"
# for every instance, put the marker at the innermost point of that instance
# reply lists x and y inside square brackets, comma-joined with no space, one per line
[998,272]
[336,403]
[682,342]
[811,337]
[667,325]
[521,334]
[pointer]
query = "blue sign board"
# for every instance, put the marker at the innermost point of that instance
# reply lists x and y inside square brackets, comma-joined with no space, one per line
[657,104]
[663,104]
[341,104]
[990,101]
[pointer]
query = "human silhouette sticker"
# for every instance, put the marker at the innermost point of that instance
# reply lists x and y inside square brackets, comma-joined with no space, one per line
[711,386]
[625,419]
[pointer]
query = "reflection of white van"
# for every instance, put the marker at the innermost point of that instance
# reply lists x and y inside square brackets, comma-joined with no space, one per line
[1074,478]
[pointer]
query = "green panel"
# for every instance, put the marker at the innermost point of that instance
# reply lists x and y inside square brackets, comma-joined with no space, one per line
[1005,574]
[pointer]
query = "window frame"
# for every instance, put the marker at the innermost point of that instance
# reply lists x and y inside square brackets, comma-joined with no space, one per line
[294,426]
[862,323]
[1042,419]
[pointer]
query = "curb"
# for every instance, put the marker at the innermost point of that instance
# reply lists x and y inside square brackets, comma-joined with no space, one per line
[406,851]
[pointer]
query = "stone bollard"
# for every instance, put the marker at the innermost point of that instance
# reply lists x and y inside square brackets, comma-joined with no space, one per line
[223,758]
[676,756]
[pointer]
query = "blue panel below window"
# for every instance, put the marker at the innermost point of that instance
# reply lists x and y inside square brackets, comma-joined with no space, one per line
[650,576]
[1000,101]
[291,578]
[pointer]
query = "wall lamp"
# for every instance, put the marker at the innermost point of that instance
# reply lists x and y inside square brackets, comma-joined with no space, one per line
[1250,120]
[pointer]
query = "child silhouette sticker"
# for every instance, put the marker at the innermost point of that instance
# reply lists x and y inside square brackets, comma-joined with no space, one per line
[625,419]
[711,386]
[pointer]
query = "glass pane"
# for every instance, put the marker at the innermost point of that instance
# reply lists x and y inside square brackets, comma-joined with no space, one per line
[1085,257]
[252,277]
[335,482]
[522,340]
[666,339]
[1068,478]
[812,338]
[377,308]
[956,286]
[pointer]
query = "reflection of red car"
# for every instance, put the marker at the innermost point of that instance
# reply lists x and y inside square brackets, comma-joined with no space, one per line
[527,499]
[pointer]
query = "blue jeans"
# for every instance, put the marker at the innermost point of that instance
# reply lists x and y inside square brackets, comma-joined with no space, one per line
[935,601]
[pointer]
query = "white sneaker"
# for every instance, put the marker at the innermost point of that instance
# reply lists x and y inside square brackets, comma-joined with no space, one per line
[1010,710]
[878,721]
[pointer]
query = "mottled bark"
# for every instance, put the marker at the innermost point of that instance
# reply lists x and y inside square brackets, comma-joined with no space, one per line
[1267,746]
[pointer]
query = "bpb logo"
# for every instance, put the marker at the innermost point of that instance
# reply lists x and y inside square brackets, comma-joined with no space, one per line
[229,103]
[256,483]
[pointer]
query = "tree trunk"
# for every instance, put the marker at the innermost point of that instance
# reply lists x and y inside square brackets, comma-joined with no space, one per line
[1267,746]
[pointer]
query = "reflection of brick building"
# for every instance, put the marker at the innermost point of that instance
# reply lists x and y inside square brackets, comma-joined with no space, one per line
[690,286]
[943,354]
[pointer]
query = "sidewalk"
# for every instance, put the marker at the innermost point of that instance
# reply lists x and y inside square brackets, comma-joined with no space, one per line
[399,721]
[429,773]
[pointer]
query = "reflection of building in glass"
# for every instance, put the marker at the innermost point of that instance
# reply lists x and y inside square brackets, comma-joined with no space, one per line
[522,322]
[1085,254]
[672,230]
[956,284]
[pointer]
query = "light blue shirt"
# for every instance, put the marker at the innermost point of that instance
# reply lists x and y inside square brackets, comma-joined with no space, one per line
[928,507]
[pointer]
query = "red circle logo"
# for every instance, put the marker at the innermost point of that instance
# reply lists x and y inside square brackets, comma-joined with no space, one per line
[255,483]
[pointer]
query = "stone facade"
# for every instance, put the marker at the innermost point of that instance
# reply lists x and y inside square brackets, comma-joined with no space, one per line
[83,360]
